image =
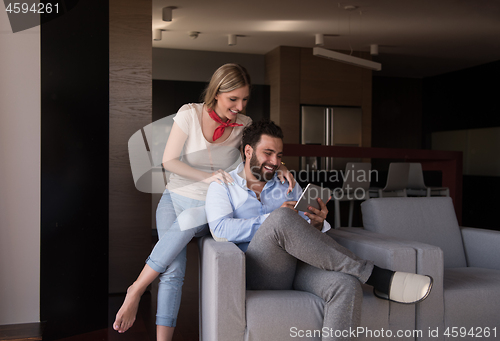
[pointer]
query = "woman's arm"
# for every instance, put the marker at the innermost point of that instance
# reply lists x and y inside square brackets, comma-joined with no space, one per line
[284,173]
[171,161]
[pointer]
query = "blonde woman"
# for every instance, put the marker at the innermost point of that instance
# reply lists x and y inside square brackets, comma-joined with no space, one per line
[202,146]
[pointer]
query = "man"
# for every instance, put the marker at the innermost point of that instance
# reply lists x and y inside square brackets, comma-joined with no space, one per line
[285,249]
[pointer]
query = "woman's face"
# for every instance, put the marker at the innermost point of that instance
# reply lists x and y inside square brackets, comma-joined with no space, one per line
[229,104]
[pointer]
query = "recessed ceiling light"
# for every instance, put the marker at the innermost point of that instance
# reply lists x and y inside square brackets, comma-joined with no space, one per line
[319,40]
[350,7]
[231,40]
[193,34]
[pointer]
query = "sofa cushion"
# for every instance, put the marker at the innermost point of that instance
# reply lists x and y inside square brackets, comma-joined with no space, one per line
[288,314]
[472,298]
[429,220]
[278,314]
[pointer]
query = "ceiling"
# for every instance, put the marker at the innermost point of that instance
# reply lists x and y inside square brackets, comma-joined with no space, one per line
[416,38]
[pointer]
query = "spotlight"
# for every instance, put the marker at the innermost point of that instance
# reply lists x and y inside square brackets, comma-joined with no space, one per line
[231,41]
[157,34]
[319,40]
[167,13]
[193,34]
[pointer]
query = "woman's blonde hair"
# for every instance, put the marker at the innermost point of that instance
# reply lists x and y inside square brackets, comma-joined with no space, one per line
[227,78]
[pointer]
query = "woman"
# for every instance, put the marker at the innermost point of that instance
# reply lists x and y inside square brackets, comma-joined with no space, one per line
[203,143]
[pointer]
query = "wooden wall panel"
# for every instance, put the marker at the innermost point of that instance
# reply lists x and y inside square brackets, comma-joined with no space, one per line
[130,81]
[290,93]
[272,79]
[327,92]
[325,82]
[317,68]
[283,75]
[298,78]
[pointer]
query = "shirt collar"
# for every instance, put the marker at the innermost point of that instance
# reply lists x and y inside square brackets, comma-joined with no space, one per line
[243,183]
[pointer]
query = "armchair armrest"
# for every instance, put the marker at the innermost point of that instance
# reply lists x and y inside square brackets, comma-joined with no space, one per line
[429,261]
[385,254]
[481,247]
[222,290]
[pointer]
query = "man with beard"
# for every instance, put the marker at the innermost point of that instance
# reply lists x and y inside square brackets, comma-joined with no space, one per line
[285,249]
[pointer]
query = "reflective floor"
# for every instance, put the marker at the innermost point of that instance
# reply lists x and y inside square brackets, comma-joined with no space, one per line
[144,328]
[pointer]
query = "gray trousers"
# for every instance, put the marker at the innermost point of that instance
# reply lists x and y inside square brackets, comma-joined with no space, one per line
[288,253]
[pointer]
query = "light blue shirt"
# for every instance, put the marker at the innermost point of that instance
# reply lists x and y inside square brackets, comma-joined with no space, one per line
[234,213]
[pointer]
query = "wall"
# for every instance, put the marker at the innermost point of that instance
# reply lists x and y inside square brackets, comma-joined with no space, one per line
[465,99]
[480,149]
[461,102]
[198,66]
[19,174]
[397,113]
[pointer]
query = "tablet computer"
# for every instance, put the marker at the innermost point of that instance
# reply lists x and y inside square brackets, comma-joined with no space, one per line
[310,195]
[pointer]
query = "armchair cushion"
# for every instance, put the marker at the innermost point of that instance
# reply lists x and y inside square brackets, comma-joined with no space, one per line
[474,291]
[426,220]
[481,247]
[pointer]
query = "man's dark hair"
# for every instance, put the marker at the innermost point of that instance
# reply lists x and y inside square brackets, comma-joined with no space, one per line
[253,132]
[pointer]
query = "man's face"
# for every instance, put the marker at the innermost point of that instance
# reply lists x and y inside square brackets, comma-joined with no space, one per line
[266,157]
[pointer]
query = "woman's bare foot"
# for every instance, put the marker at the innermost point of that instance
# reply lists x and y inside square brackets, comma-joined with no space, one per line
[125,317]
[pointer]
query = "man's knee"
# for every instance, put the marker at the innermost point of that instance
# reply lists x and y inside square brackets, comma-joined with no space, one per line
[347,286]
[350,285]
[280,219]
[282,213]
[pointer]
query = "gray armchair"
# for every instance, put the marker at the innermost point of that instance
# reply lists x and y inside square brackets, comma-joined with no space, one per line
[229,312]
[464,262]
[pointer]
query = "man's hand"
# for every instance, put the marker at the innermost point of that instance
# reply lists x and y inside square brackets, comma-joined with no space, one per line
[290,205]
[317,217]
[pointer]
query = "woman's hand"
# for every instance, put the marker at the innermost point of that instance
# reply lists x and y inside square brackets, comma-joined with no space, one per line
[285,174]
[220,177]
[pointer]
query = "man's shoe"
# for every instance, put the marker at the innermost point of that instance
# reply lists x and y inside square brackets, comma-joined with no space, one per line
[407,288]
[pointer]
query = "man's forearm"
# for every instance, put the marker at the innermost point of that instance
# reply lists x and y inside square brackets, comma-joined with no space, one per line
[236,230]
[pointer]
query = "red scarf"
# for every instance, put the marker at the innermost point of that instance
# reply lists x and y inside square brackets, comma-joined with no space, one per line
[219,131]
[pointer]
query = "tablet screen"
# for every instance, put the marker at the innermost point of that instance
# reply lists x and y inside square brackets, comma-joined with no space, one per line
[310,195]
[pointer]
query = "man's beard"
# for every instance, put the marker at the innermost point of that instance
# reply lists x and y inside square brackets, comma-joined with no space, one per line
[258,169]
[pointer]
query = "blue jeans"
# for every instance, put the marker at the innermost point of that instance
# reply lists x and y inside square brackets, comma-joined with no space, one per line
[178,220]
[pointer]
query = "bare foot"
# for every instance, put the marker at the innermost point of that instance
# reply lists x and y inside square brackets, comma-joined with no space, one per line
[125,317]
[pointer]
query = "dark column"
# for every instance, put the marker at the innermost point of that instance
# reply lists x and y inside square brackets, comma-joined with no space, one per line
[74,169]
